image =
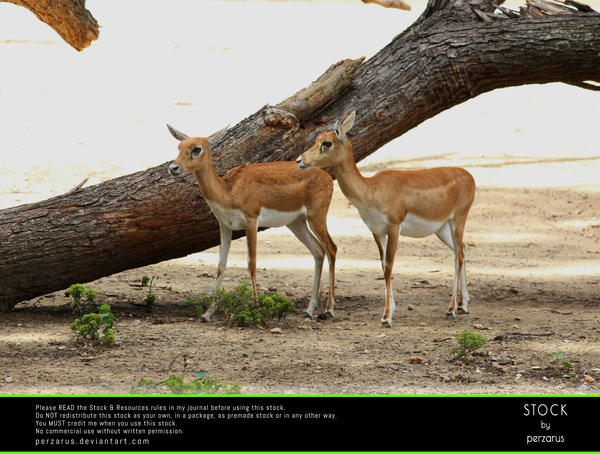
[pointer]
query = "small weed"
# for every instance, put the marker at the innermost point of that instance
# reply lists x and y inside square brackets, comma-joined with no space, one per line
[242,310]
[200,304]
[150,297]
[559,363]
[202,384]
[77,292]
[468,342]
[87,328]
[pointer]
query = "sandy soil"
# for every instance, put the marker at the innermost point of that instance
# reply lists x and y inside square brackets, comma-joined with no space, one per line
[532,238]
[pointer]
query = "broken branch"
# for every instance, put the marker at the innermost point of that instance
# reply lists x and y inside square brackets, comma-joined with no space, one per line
[328,87]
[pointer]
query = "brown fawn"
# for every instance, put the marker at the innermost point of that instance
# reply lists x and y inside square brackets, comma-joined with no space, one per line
[414,203]
[269,194]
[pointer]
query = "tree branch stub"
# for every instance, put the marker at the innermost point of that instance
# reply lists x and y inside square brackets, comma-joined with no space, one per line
[327,88]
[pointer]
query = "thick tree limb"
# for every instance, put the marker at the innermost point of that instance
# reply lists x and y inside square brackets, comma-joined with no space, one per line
[68,18]
[447,57]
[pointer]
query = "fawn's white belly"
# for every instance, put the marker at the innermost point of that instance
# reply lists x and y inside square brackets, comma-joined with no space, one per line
[376,220]
[417,227]
[412,225]
[229,217]
[275,218]
[235,219]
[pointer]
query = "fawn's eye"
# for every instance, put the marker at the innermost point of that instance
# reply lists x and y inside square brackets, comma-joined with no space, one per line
[326,145]
[195,152]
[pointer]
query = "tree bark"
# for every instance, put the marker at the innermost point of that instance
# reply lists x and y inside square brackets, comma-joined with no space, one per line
[68,18]
[453,52]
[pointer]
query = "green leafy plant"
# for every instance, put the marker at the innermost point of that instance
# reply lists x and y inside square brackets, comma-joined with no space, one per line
[150,297]
[77,292]
[468,342]
[280,306]
[242,310]
[202,384]
[199,304]
[240,307]
[87,328]
[559,363]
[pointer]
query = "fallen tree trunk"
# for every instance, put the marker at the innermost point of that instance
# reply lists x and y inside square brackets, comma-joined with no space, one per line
[452,53]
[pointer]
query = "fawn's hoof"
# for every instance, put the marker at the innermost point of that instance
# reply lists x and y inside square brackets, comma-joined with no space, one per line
[461,311]
[450,315]
[386,323]
[325,316]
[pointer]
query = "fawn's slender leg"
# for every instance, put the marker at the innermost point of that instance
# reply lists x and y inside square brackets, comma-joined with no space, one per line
[390,253]
[319,227]
[225,234]
[251,234]
[302,232]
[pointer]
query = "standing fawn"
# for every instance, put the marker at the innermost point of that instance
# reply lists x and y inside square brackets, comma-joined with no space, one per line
[415,203]
[270,194]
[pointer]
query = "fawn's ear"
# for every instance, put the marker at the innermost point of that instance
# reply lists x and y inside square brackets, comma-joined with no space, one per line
[343,128]
[348,122]
[336,128]
[217,136]
[177,134]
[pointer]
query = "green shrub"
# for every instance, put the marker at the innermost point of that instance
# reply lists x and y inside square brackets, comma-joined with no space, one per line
[281,306]
[200,304]
[468,342]
[241,308]
[88,327]
[149,300]
[77,292]
[150,297]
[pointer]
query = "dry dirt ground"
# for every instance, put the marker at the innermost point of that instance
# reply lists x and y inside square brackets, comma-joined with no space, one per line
[529,256]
